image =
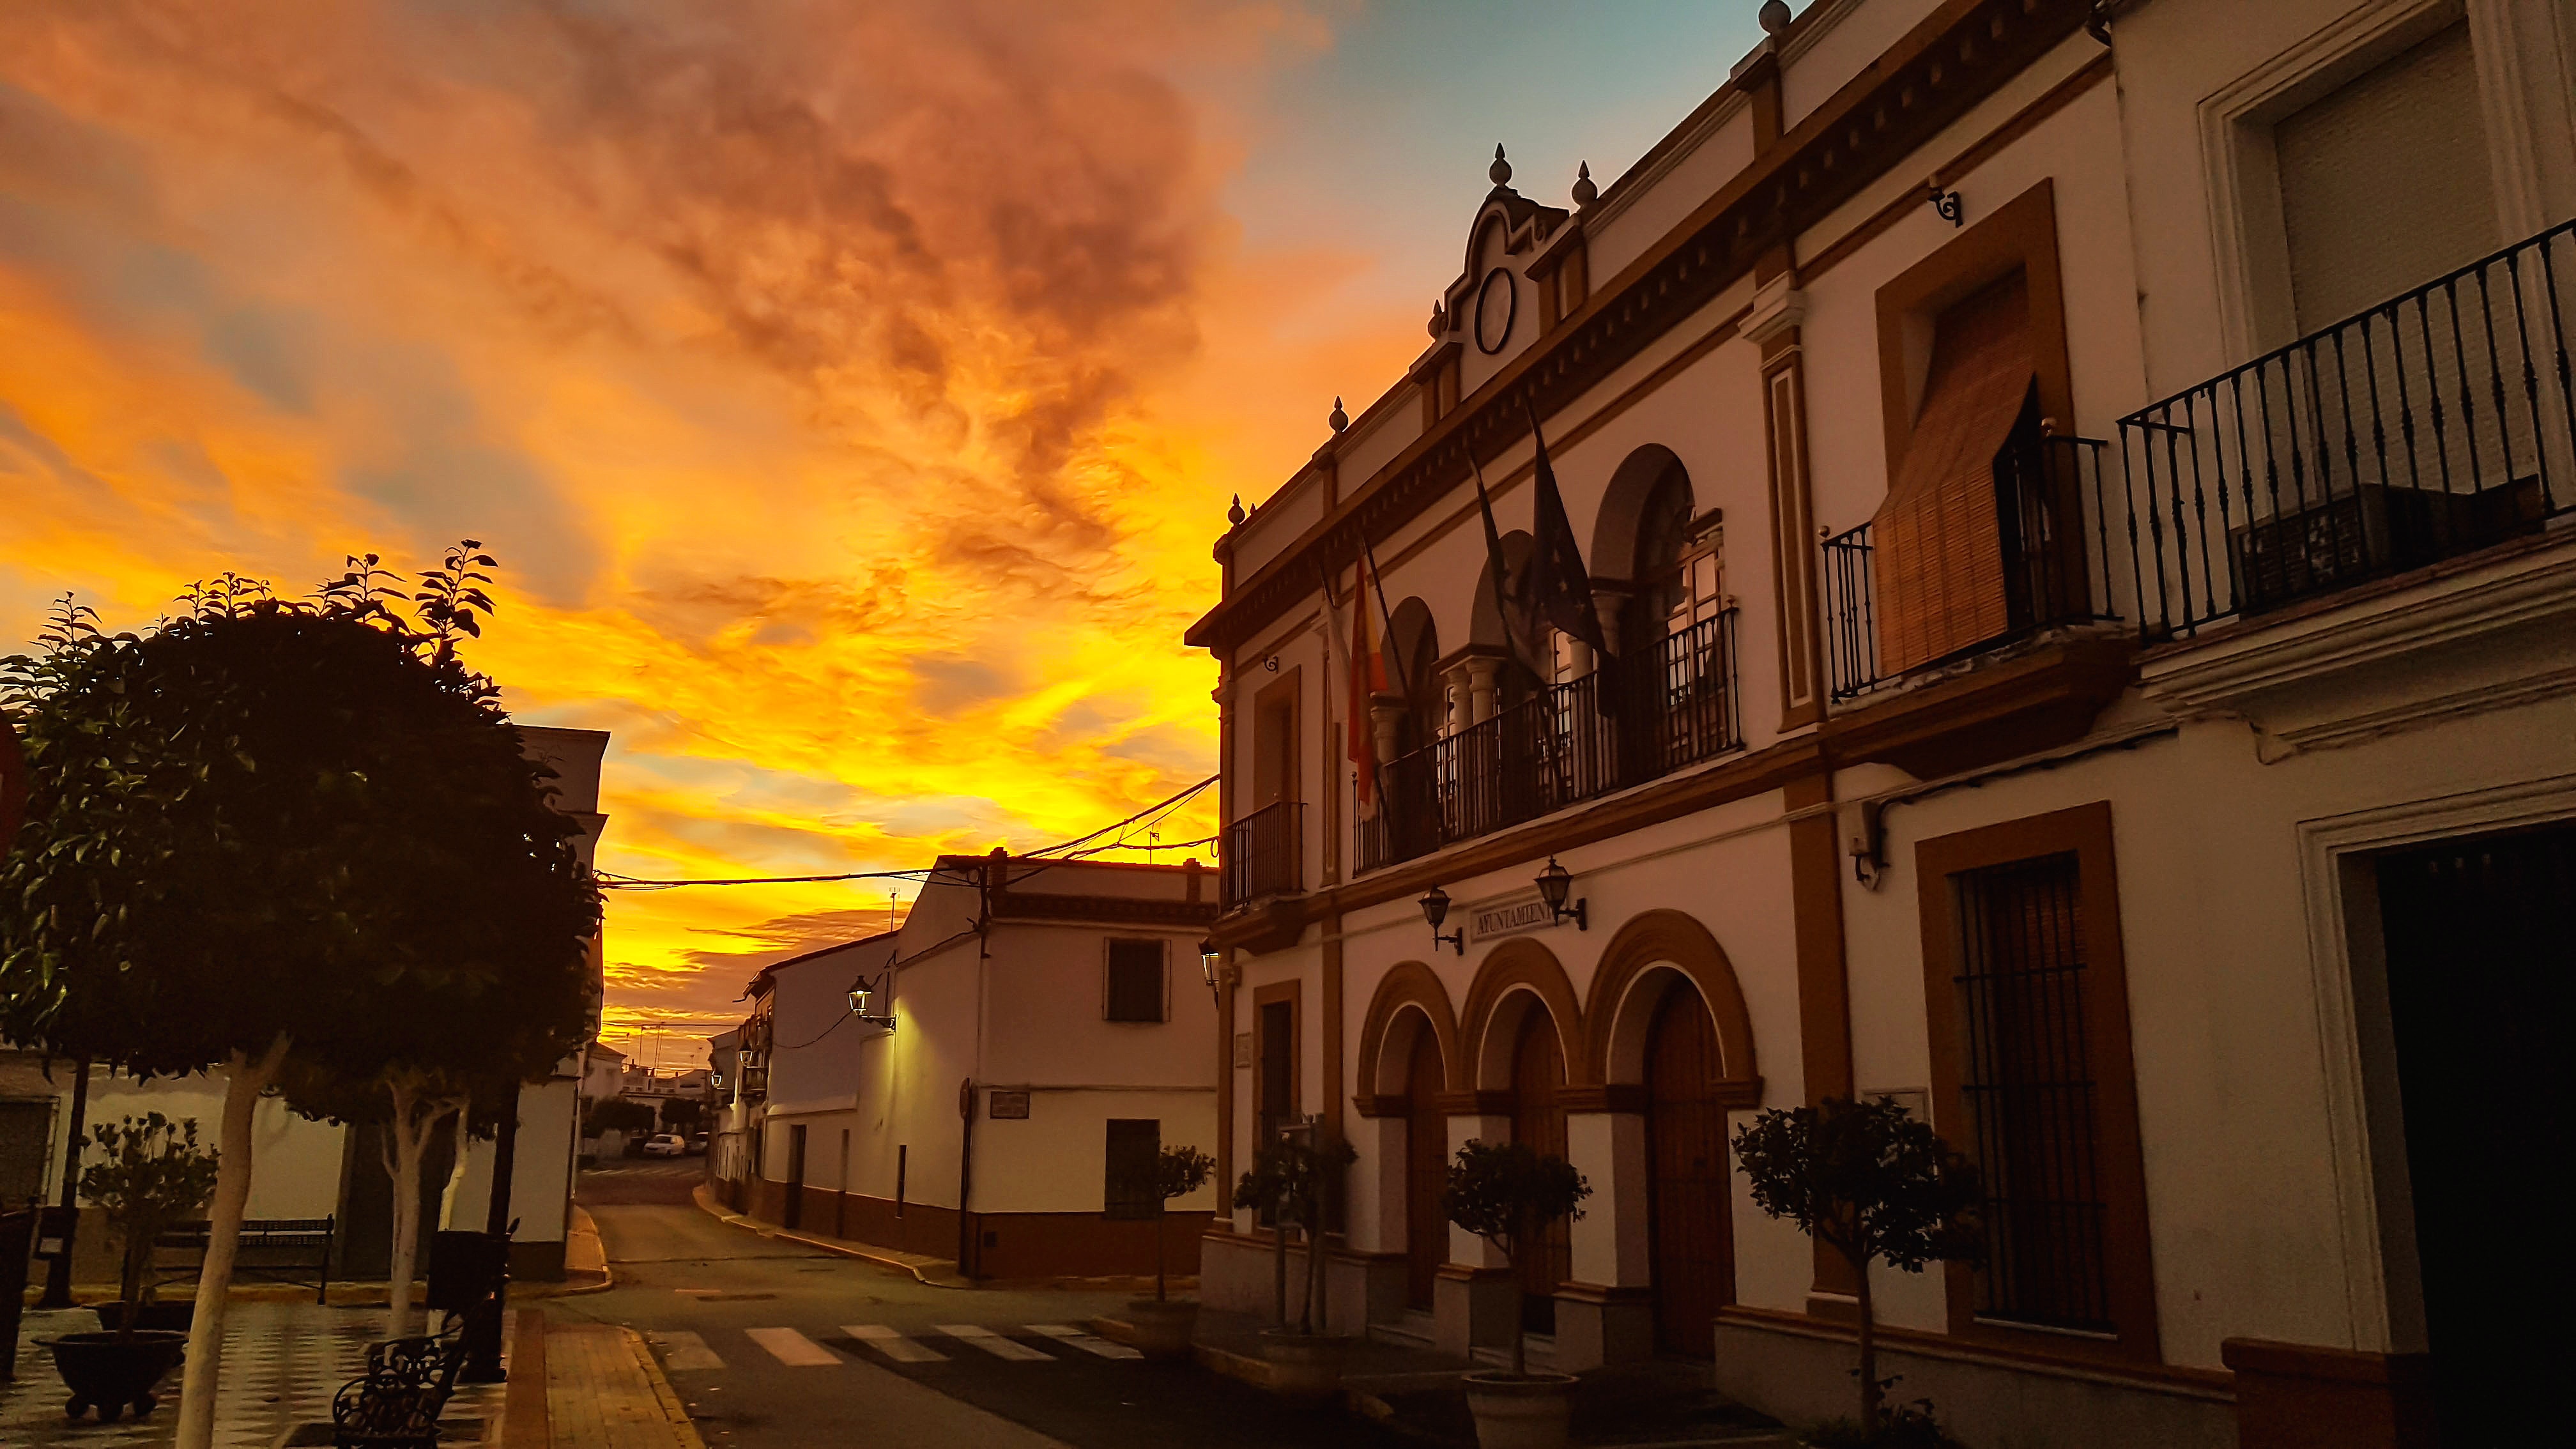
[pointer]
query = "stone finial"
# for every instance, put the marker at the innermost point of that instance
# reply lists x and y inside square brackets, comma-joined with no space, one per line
[1234,511]
[1774,16]
[1585,193]
[1339,419]
[1439,319]
[1501,170]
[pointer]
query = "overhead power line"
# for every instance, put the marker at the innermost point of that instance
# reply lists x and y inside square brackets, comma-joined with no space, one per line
[1066,851]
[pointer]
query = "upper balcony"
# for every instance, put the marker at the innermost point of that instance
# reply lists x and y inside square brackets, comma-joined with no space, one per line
[1265,853]
[1636,717]
[2433,425]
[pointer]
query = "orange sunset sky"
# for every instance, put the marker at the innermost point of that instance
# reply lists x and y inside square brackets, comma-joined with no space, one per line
[850,391]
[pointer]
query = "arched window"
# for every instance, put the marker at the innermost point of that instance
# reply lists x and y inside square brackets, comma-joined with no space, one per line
[1676,578]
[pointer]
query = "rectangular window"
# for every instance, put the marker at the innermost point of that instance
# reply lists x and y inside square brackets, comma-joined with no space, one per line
[2026,1076]
[2027,1002]
[1135,981]
[1129,1188]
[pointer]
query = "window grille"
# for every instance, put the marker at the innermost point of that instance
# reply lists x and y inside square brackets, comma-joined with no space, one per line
[2026,1076]
[1135,981]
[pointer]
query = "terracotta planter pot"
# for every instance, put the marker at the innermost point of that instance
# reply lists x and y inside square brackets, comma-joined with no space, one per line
[1303,1363]
[1528,1412]
[112,1373]
[1163,1328]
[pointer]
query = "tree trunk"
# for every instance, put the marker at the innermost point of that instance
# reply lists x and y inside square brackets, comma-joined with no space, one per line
[1520,1311]
[1316,1305]
[129,1289]
[1159,1295]
[414,1119]
[245,1079]
[1279,1262]
[456,1168]
[1868,1336]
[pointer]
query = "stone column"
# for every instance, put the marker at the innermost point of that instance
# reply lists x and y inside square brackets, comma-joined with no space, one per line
[1482,673]
[1606,1313]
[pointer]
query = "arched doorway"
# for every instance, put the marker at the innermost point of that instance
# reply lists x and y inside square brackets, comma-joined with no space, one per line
[1690,1237]
[1538,1118]
[1426,1170]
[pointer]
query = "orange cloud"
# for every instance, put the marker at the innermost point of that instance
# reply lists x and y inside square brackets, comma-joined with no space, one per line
[851,392]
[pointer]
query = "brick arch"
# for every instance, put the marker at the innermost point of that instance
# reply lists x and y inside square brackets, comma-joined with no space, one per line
[1409,985]
[1613,1011]
[1521,964]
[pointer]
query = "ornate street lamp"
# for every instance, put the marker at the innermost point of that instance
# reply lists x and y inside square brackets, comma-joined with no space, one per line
[1211,957]
[1554,883]
[861,996]
[1435,909]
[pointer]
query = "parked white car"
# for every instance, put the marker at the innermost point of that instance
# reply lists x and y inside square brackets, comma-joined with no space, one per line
[666,1144]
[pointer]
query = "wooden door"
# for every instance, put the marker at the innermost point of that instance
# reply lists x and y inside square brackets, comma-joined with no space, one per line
[1538,1118]
[1426,1171]
[1690,1233]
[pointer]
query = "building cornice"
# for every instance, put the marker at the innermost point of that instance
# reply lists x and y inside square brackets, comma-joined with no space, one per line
[1949,62]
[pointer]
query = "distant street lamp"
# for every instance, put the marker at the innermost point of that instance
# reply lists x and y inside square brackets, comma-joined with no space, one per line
[1211,957]
[861,995]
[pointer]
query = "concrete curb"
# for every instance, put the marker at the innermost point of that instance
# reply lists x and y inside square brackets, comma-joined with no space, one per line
[707,1203]
[668,1397]
[583,1225]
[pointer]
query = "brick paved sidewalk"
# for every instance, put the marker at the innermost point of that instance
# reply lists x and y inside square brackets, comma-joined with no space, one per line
[603,1391]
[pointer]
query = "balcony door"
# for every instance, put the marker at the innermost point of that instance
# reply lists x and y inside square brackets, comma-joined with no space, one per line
[2481,951]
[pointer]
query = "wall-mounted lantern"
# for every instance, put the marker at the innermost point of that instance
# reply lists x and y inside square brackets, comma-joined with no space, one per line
[862,996]
[1211,960]
[1435,909]
[1554,884]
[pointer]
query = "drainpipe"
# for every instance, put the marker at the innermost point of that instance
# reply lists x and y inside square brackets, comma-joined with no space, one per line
[965,1173]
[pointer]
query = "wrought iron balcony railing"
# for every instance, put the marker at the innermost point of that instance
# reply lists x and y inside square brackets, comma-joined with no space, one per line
[2431,425]
[1265,853]
[2055,554]
[1638,716]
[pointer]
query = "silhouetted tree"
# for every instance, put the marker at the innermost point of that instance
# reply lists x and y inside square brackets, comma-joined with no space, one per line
[267,829]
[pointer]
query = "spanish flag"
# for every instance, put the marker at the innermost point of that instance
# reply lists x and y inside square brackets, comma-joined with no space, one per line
[1368,679]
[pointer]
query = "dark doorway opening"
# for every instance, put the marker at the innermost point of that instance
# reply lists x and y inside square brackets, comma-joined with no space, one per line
[1691,1239]
[1538,1118]
[2481,953]
[793,1215]
[1426,1171]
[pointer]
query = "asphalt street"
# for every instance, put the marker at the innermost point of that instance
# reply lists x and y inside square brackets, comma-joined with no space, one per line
[776,1346]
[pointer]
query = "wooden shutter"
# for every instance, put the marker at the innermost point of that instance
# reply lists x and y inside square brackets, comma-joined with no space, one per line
[1939,541]
[1135,981]
[1128,1191]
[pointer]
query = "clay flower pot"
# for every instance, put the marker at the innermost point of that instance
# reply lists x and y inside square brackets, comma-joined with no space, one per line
[1303,1363]
[112,1372]
[1163,1328]
[1523,1411]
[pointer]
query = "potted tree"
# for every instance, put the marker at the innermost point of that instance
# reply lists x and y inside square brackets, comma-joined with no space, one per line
[150,1175]
[1509,1195]
[1164,1327]
[1875,1185]
[1293,1178]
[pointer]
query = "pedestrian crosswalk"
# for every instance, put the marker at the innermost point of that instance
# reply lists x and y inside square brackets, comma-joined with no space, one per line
[685,1352]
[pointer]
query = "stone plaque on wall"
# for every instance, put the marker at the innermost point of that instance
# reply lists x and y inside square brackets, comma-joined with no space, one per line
[1243,1049]
[1008,1106]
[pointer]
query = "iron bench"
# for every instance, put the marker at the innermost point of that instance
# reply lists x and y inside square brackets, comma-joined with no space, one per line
[395,1404]
[282,1249]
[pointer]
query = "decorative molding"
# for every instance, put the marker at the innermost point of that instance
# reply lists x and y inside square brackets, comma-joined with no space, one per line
[1778,306]
[1931,77]
[2493,630]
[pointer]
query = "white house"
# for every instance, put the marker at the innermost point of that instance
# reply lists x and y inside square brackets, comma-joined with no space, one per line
[2075,498]
[1033,1032]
